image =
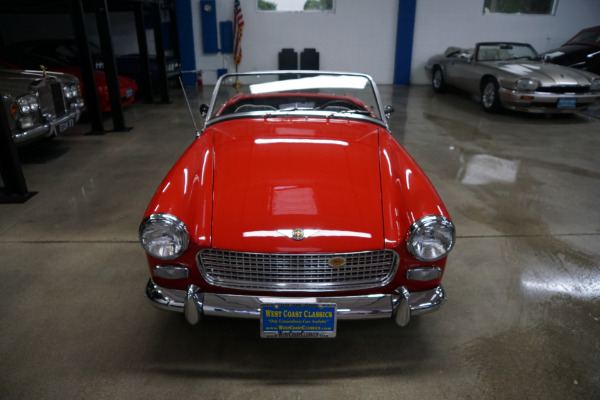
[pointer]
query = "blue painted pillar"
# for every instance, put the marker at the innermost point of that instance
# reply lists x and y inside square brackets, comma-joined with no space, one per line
[404,41]
[185,36]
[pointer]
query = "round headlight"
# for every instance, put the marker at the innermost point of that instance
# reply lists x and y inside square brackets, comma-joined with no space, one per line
[431,238]
[527,84]
[24,106]
[27,104]
[595,86]
[163,236]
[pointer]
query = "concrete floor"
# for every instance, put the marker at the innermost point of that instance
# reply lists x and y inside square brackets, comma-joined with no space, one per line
[522,320]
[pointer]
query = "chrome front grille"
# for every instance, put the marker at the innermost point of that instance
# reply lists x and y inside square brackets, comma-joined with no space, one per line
[297,272]
[52,102]
[564,89]
[57,99]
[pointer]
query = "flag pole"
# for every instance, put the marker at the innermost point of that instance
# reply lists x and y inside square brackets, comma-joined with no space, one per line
[237,83]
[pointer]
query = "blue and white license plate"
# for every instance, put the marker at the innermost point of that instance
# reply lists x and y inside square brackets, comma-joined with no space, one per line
[567,103]
[298,321]
[128,93]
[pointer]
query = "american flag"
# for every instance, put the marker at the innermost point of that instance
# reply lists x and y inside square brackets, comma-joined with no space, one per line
[238,27]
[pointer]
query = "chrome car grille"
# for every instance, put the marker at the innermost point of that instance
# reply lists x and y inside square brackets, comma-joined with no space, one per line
[297,272]
[564,89]
[51,98]
[57,99]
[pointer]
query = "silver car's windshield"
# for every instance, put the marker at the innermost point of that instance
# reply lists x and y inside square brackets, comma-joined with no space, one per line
[505,52]
[271,94]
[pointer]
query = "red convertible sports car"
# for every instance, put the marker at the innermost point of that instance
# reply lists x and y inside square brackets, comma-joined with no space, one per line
[295,206]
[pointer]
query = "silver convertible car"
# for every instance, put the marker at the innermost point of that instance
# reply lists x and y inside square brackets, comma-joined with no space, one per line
[513,76]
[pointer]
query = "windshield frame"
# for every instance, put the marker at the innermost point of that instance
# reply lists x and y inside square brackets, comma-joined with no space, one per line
[508,46]
[292,79]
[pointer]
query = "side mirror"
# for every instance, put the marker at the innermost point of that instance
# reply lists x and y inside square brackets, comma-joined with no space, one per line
[388,111]
[204,110]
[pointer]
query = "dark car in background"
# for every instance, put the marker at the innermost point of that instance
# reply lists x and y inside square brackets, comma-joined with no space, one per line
[129,65]
[39,104]
[582,51]
[17,58]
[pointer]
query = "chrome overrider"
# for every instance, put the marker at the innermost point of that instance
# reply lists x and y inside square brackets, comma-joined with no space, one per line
[194,304]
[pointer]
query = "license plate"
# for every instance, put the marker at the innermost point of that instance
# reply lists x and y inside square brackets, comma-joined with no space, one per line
[567,103]
[66,125]
[128,93]
[298,321]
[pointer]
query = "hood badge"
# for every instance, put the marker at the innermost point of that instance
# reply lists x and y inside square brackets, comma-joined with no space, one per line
[298,233]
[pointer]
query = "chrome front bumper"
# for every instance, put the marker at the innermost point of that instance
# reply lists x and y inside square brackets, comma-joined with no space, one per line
[195,304]
[39,131]
[544,102]
[52,127]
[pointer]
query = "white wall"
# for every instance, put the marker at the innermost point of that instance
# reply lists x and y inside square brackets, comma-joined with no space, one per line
[360,36]
[442,23]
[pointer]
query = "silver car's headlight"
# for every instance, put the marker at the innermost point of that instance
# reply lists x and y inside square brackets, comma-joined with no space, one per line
[595,86]
[431,238]
[527,84]
[164,236]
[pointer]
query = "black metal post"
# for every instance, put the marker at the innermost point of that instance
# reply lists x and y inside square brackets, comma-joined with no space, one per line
[160,54]
[145,81]
[110,66]
[87,68]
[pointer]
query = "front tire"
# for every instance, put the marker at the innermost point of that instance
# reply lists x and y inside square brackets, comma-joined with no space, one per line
[437,81]
[490,100]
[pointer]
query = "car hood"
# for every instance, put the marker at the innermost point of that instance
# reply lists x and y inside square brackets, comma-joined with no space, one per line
[579,50]
[573,55]
[272,176]
[546,73]
[22,81]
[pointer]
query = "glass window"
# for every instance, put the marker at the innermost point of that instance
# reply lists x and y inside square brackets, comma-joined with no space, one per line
[295,5]
[520,6]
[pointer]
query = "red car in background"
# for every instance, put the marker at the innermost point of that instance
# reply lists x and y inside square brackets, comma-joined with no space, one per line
[30,61]
[296,207]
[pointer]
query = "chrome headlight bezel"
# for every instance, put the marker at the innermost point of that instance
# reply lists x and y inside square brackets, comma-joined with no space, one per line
[431,238]
[70,91]
[528,84]
[595,85]
[27,104]
[164,236]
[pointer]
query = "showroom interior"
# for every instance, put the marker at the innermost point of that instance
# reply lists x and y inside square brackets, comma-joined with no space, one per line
[522,319]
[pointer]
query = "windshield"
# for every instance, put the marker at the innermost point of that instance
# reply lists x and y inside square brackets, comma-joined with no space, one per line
[588,36]
[505,52]
[296,92]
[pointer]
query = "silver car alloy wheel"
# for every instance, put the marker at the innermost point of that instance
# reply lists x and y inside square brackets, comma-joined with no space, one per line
[437,78]
[489,95]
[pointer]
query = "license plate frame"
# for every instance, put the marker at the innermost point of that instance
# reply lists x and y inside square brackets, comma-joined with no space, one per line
[567,103]
[307,320]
